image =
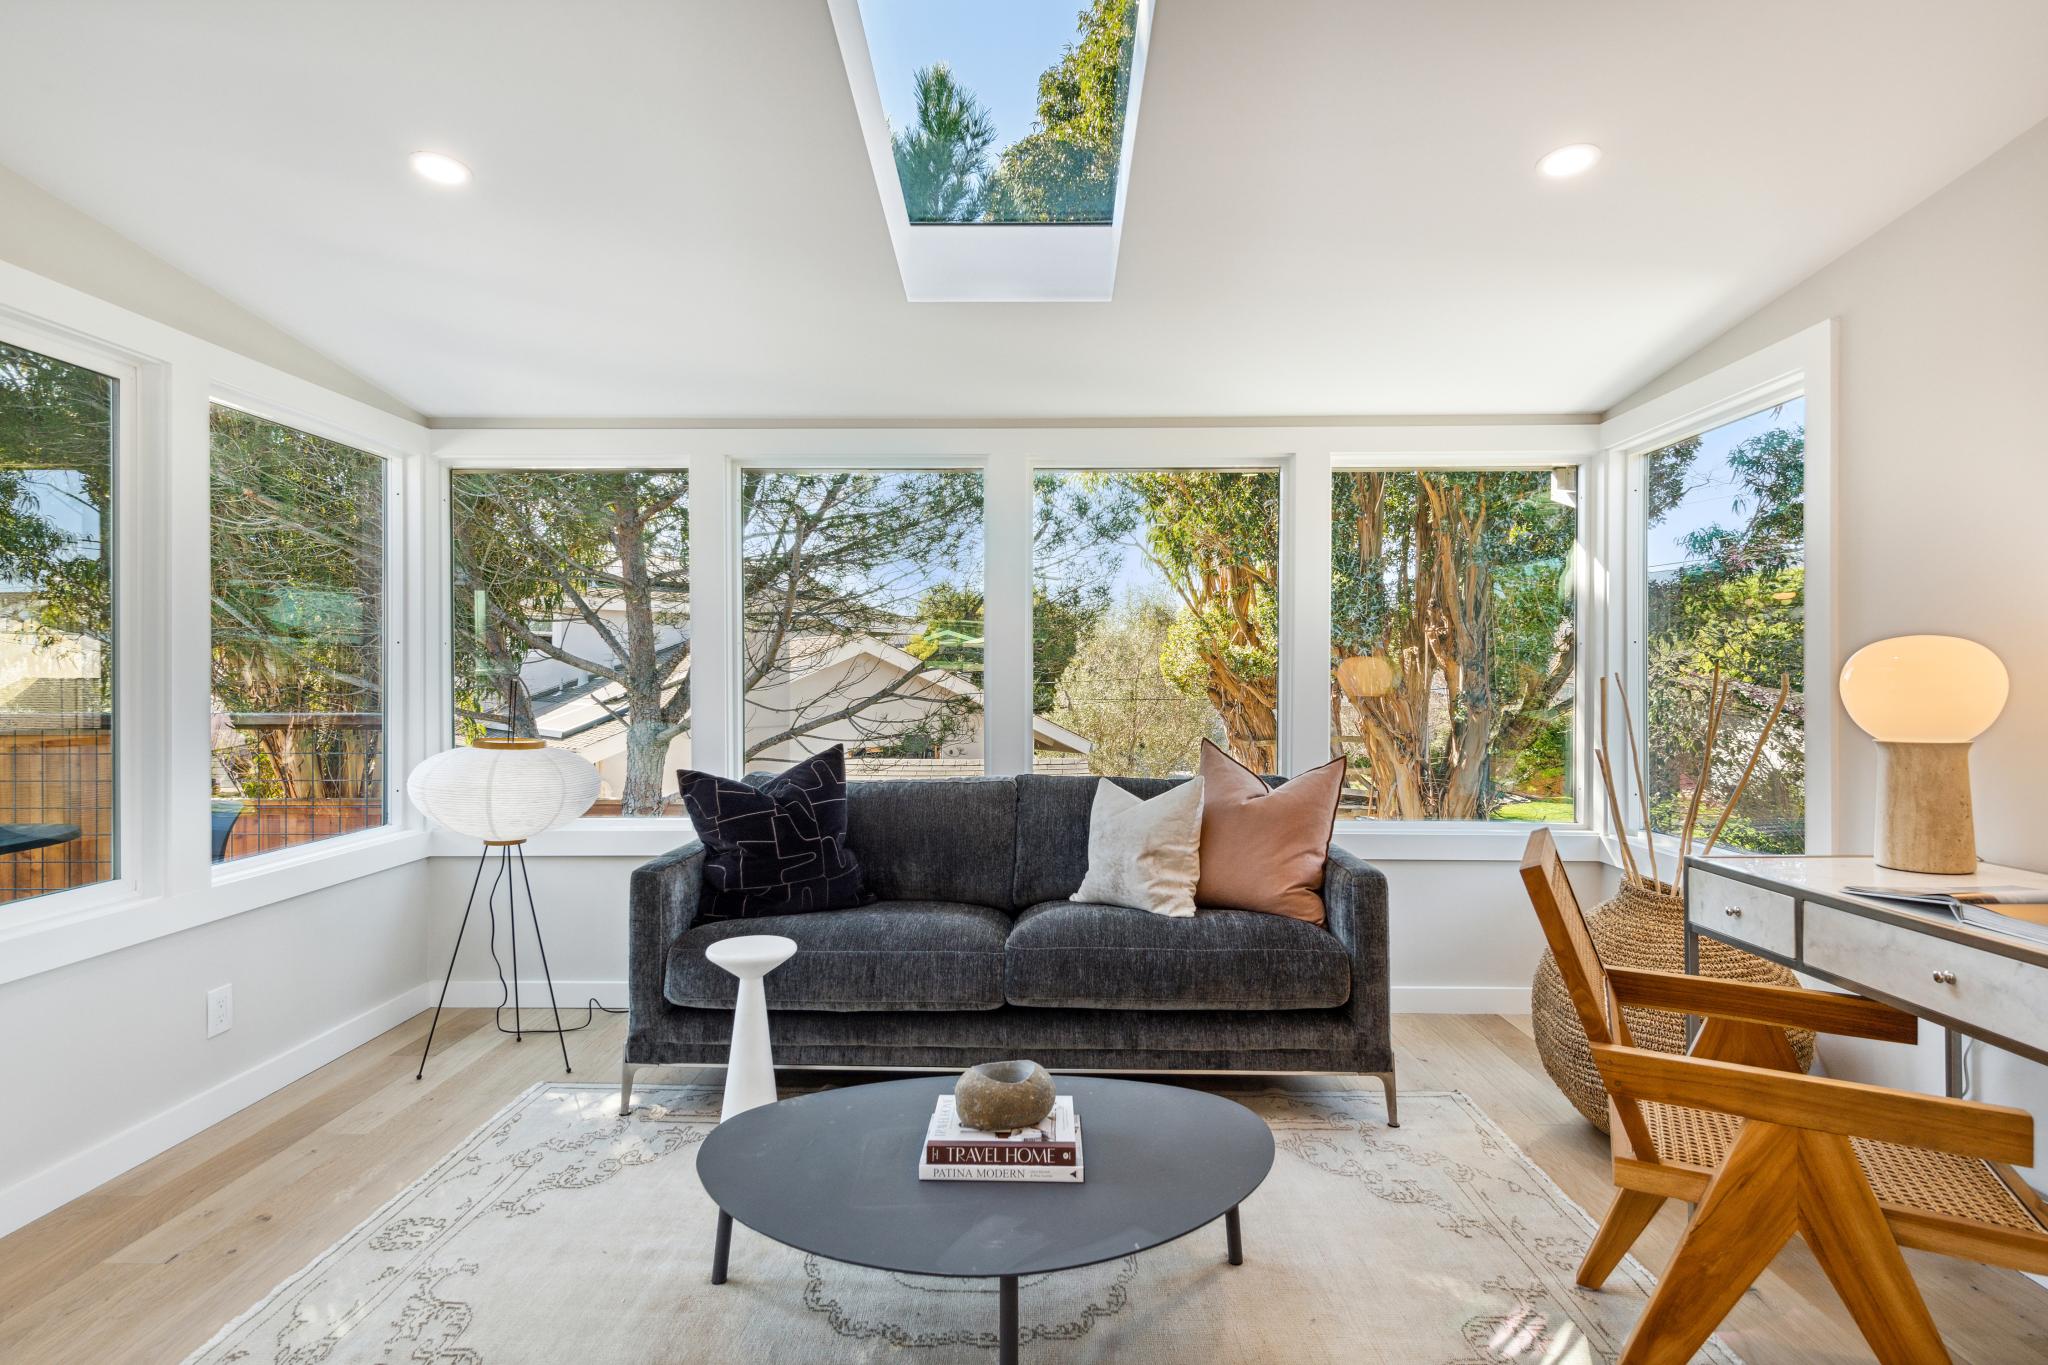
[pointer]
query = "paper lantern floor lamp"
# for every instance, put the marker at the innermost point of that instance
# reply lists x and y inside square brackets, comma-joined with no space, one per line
[502,791]
[1924,698]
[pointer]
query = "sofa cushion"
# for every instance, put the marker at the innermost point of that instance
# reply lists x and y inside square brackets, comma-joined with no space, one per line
[951,839]
[1066,954]
[777,846]
[892,955]
[1052,830]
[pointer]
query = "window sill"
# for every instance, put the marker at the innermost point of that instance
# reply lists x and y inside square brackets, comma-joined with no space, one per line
[1376,841]
[1417,841]
[67,932]
[614,836]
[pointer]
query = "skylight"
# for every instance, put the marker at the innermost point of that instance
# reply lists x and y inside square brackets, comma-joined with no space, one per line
[1018,114]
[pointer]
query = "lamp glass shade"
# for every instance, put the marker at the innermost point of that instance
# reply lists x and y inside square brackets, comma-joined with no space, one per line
[1924,689]
[502,794]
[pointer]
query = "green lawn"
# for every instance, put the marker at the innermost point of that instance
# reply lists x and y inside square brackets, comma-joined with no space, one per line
[1558,809]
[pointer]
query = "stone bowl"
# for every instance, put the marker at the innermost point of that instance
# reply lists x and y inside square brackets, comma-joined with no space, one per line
[1001,1097]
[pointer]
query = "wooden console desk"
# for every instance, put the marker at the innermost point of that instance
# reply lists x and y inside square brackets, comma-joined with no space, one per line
[1794,910]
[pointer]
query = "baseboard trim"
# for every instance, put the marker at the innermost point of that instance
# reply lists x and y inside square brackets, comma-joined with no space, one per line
[533,994]
[1459,999]
[483,993]
[82,1172]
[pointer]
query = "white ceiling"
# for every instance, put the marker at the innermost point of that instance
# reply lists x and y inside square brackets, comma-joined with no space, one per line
[1332,208]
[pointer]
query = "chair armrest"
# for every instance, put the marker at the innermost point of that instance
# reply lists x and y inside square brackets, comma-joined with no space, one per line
[1850,1016]
[1355,909]
[1819,1104]
[664,899]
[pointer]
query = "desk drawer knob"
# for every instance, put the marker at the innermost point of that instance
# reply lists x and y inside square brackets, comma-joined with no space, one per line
[1944,978]
[1733,912]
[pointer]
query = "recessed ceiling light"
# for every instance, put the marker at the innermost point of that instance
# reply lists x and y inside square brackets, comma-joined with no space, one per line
[1576,159]
[443,169]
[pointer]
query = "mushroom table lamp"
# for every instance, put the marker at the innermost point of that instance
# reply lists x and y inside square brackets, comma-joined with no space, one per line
[1923,698]
[502,791]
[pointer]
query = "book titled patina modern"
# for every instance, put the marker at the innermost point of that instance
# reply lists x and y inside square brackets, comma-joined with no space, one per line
[1050,1150]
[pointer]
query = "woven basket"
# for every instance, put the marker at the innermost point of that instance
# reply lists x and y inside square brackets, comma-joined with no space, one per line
[1645,930]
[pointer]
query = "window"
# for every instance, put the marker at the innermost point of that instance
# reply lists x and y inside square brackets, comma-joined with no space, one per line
[1155,620]
[1725,554]
[572,620]
[298,637]
[1453,642]
[1009,113]
[58,431]
[860,615]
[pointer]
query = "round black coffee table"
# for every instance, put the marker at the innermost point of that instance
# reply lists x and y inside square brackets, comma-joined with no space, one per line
[835,1174]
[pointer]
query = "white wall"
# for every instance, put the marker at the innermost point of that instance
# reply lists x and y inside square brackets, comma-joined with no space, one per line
[1942,476]
[108,1062]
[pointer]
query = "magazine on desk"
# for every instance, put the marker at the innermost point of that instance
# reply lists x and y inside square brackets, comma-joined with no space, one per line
[2021,911]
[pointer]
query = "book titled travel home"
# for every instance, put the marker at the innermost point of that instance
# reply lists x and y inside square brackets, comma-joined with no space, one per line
[1050,1151]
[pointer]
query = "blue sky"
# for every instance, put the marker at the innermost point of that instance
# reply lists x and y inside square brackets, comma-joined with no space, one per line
[1715,491]
[996,48]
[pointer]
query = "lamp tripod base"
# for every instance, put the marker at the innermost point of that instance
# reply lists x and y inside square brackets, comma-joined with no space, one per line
[507,852]
[1924,820]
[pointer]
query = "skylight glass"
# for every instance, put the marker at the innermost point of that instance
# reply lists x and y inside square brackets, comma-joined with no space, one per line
[1004,111]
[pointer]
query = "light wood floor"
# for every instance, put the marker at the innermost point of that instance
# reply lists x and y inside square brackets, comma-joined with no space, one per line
[150,1265]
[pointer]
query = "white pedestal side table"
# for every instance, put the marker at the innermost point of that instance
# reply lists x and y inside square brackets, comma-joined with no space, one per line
[750,1064]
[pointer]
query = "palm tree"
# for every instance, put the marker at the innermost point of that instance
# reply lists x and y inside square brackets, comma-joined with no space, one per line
[942,162]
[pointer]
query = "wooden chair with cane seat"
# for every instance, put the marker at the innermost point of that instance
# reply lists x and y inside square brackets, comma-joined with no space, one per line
[1765,1151]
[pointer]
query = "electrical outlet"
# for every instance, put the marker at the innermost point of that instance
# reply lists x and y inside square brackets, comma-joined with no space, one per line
[220,1010]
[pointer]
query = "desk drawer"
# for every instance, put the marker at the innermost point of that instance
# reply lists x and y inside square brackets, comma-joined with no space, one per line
[1737,910]
[1996,994]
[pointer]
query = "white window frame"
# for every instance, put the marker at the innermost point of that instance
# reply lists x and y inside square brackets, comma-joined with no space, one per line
[137,536]
[394,645]
[1588,655]
[166,881]
[728,746]
[1009,457]
[1800,366]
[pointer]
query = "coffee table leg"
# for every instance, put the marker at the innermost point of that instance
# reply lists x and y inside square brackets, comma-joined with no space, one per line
[724,1245]
[1236,1236]
[1006,1330]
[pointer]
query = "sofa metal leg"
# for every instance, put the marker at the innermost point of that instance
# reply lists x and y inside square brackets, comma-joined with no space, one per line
[1386,1079]
[626,1070]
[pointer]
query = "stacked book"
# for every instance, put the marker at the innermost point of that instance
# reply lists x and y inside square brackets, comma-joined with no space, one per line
[1049,1151]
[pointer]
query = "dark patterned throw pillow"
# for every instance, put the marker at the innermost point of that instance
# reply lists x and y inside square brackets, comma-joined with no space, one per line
[778,848]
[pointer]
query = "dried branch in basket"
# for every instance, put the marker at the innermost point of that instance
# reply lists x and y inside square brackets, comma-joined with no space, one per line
[1755,753]
[1635,758]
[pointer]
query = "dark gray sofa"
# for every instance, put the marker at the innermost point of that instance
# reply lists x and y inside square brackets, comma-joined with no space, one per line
[972,951]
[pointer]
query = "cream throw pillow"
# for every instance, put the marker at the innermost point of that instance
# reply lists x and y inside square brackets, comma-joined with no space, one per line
[1144,854]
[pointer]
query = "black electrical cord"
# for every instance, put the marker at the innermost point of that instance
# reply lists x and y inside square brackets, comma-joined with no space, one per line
[590,1011]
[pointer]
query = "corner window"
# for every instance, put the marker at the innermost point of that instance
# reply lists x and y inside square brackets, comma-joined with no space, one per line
[1155,620]
[58,434]
[861,619]
[572,620]
[298,539]
[1725,559]
[1454,642]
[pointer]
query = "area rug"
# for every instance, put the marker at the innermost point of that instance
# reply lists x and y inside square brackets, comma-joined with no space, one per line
[560,1231]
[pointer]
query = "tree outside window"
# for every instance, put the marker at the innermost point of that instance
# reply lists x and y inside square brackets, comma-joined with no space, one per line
[1726,568]
[297,531]
[1453,642]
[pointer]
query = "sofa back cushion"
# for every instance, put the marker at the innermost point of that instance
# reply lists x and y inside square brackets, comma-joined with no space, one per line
[1052,831]
[938,839]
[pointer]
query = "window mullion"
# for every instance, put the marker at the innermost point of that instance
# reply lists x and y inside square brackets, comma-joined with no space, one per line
[1006,624]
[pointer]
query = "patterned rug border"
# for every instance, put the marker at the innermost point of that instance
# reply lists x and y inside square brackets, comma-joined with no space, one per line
[1629,1264]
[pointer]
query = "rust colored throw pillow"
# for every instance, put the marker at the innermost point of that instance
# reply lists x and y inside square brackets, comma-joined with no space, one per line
[1263,848]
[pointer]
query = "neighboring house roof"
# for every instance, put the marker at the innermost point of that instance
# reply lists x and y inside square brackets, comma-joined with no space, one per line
[80,697]
[601,736]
